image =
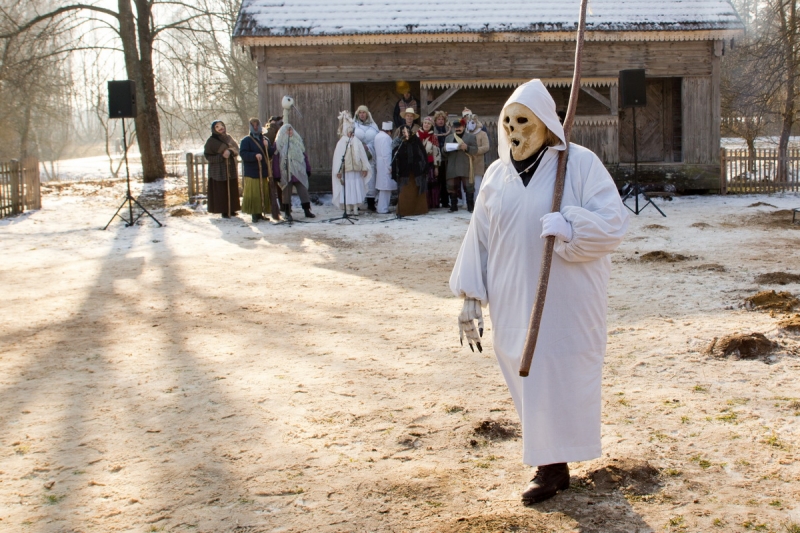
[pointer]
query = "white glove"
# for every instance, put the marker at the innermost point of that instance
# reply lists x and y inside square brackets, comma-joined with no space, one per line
[466,323]
[555,224]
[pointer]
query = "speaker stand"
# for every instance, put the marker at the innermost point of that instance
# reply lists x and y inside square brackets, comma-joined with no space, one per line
[130,200]
[635,190]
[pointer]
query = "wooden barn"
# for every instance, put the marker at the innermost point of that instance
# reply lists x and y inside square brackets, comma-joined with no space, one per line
[332,56]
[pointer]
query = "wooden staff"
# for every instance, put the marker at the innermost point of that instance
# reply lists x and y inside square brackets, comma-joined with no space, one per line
[558,193]
[260,188]
[228,181]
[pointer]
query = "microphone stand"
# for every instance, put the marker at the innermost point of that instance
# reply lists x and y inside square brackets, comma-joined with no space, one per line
[345,215]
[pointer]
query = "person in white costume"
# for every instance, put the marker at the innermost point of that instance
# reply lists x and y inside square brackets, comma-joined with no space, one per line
[365,131]
[383,167]
[498,265]
[351,168]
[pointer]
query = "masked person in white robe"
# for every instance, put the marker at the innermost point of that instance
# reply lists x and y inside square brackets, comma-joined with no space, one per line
[498,265]
[383,167]
[351,169]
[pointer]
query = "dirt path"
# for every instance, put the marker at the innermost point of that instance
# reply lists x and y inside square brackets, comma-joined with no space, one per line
[217,376]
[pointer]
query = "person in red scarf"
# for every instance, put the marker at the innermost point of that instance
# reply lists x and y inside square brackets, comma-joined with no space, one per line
[434,157]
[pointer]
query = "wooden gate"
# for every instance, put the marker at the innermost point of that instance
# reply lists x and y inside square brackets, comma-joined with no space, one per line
[19,186]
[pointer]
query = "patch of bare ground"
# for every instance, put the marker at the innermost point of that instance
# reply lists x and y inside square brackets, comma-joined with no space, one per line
[660,256]
[497,429]
[181,212]
[790,324]
[771,301]
[760,204]
[654,226]
[508,523]
[711,267]
[777,278]
[782,218]
[700,225]
[630,476]
[741,346]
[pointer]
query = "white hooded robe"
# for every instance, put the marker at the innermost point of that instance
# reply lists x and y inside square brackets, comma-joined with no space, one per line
[383,163]
[351,165]
[498,264]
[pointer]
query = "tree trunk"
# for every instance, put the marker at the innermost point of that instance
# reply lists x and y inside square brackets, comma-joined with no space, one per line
[141,71]
[154,167]
[751,153]
[789,27]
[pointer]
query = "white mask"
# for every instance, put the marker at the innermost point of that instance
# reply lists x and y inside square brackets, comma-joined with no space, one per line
[471,125]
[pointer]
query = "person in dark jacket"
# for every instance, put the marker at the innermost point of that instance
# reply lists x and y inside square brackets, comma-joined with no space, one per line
[442,130]
[406,101]
[409,170]
[256,151]
[460,146]
[223,181]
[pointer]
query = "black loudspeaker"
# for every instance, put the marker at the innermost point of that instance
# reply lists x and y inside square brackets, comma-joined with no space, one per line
[632,88]
[122,99]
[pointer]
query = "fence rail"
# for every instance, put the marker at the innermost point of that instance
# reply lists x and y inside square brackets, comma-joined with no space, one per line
[758,172]
[19,186]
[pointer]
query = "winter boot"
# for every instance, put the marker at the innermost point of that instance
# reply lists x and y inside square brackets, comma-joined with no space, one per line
[548,481]
[371,205]
[307,210]
[470,203]
[255,218]
[453,203]
[287,212]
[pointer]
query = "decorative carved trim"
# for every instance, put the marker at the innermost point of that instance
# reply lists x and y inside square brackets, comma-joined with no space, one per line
[495,83]
[489,37]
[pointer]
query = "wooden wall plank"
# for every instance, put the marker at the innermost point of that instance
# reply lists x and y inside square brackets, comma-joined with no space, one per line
[698,138]
[367,63]
[320,104]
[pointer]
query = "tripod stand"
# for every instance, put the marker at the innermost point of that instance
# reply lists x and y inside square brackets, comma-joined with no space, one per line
[130,200]
[345,215]
[635,190]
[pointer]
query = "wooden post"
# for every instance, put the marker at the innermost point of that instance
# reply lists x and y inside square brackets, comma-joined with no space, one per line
[723,178]
[190,175]
[16,201]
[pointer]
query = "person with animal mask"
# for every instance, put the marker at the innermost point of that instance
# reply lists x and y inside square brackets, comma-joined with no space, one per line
[498,265]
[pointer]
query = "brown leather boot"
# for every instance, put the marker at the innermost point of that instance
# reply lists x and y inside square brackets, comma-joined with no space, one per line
[548,481]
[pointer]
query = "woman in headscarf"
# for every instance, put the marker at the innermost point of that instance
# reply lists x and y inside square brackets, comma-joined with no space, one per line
[223,181]
[256,150]
[409,171]
[365,131]
[434,158]
[290,168]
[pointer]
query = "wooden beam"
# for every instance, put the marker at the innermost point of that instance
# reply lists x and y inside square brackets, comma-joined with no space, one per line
[597,96]
[445,96]
[614,92]
[424,95]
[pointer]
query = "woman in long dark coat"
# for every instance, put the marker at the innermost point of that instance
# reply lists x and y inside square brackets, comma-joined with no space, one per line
[409,171]
[223,179]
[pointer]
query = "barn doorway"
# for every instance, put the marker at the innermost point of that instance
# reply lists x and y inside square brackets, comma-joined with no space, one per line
[659,125]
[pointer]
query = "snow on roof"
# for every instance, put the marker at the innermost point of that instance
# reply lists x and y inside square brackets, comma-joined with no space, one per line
[305,18]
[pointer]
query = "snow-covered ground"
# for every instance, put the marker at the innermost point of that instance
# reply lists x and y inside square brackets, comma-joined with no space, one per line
[215,375]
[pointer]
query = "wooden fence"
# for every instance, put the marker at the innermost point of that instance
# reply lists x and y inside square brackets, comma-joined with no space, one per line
[744,172]
[196,177]
[19,186]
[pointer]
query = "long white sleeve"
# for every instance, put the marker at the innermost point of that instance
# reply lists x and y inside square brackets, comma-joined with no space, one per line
[599,223]
[468,279]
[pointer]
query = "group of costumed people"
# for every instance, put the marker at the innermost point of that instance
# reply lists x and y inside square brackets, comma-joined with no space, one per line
[421,160]
[274,162]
